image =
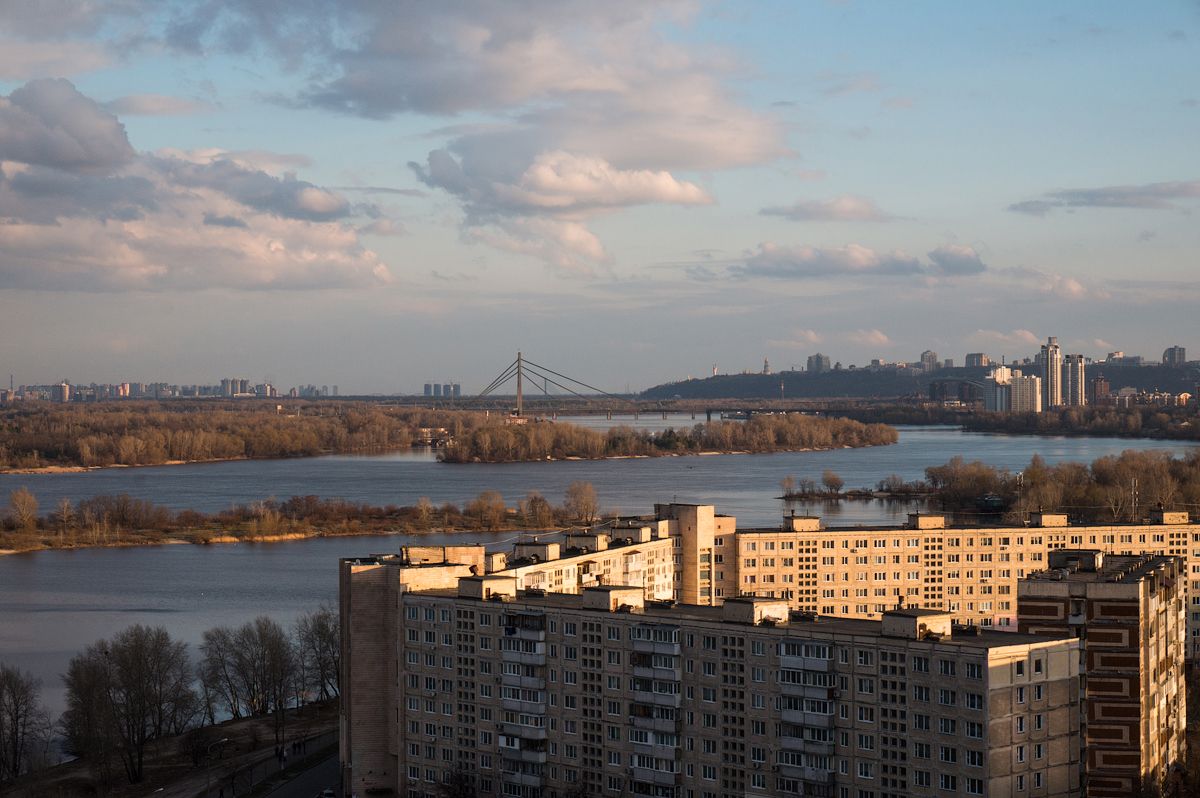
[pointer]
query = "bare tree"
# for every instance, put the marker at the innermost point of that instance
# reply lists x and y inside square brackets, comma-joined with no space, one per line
[23,508]
[581,503]
[124,693]
[24,724]
[832,482]
[538,512]
[318,639]
[217,672]
[253,669]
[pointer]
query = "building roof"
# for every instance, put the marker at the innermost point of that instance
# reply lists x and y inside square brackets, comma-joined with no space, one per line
[800,623]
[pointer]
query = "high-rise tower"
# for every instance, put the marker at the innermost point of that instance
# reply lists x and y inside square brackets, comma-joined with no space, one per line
[1074,381]
[1052,361]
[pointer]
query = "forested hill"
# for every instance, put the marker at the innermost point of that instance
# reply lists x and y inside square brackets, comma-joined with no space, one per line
[862,383]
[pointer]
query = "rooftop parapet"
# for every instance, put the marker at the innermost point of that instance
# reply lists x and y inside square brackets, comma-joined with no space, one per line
[918,623]
[755,610]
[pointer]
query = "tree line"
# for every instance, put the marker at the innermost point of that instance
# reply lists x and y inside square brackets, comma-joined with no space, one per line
[125,520]
[761,433]
[140,686]
[1116,488]
[36,435]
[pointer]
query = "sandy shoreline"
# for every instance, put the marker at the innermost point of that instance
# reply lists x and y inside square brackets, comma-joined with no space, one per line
[54,469]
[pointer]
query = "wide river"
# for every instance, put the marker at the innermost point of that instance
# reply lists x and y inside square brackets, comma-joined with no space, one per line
[52,603]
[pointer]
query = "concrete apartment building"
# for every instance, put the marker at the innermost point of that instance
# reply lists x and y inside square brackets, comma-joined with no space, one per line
[535,694]
[692,555]
[1129,613]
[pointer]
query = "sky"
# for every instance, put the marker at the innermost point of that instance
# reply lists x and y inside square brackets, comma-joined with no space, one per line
[379,194]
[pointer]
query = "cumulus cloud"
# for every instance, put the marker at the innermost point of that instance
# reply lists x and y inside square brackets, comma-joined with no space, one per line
[1060,286]
[1019,337]
[784,262]
[798,339]
[81,210]
[1147,196]
[564,181]
[870,337]
[775,260]
[847,208]
[541,211]
[956,259]
[48,123]
[156,105]
[580,106]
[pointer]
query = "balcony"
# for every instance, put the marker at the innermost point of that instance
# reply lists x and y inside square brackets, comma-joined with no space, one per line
[656,750]
[808,746]
[526,707]
[809,774]
[526,755]
[524,657]
[806,664]
[662,674]
[655,724]
[530,682]
[802,718]
[658,699]
[525,633]
[523,779]
[653,647]
[524,732]
[651,776]
[807,691]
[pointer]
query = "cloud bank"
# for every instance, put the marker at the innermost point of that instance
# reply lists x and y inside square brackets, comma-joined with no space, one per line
[80,209]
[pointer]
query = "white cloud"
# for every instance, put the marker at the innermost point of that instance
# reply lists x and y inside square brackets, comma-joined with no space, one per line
[564,181]
[49,123]
[1019,337]
[80,210]
[846,208]
[871,337]
[956,259]
[774,260]
[581,106]
[798,339]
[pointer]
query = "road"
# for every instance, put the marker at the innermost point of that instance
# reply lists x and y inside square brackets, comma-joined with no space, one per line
[310,783]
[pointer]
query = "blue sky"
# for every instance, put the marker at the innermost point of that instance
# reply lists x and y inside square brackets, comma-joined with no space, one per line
[378,195]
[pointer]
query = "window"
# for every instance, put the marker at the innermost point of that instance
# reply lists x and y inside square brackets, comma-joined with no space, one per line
[1020,724]
[948,753]
[866,770]
[920,722]
[948,782]
[921,750]
[947,726]
[946,667]
[865,657]
[947,697]
[1020,668]
[920,664]
[921,778]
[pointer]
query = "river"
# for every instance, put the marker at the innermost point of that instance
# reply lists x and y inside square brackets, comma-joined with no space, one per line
[52,603]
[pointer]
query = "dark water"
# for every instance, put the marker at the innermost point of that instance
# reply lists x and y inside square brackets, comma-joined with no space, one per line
[54,603]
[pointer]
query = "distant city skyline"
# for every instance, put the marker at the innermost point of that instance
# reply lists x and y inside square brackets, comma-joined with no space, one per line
[382,194]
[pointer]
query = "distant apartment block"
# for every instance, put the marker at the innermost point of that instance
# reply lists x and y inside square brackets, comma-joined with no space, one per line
[1027,394]
[977,360]
[818,364]
[1130,612]
[1175,357]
